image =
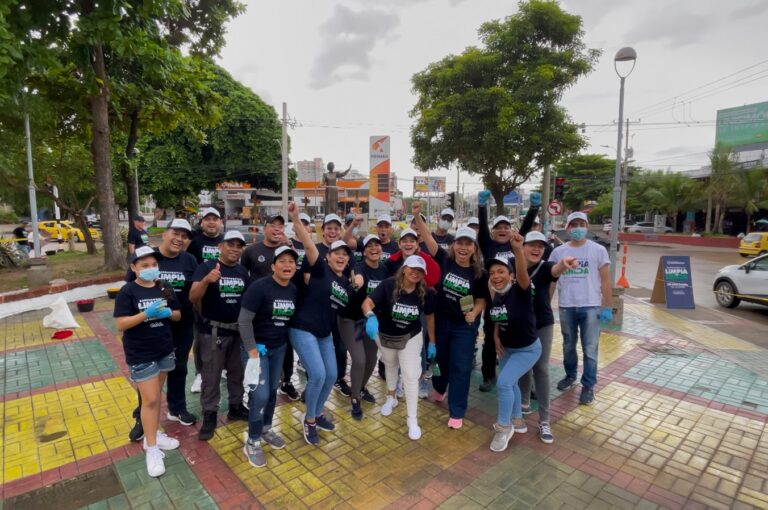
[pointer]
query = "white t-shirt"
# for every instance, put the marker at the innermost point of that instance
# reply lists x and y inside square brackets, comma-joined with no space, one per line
[581,286]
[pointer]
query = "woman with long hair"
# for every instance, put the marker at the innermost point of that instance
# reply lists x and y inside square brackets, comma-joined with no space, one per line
[393,314]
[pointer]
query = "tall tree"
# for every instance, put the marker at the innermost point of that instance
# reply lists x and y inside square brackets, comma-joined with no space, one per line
[721,184]
[587,177]
[750,192]
[494,110]
[671,195]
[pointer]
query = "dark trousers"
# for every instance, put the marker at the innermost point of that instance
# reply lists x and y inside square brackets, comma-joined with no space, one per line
[288,364]
[455,352]
[489,350]
[217,355]
[363,351]
[263,398]
[341,352]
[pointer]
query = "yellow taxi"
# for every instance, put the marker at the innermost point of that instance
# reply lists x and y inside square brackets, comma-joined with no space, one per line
[755,243]
[67,230]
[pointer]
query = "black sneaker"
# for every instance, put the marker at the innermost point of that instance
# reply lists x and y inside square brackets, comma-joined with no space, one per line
[304,396]
[324,423]
[184,417]
[587,396]
[566,383]
[288,390]
[366,395]
[342,387]
[486,386]
[310,433]
[137,432]
[209,425]
[382,371]
[357,411]
[237,413]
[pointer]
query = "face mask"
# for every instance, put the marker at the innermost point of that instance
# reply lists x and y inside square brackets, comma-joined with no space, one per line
[150,274]
[578,233]
[445,225]
[505,289]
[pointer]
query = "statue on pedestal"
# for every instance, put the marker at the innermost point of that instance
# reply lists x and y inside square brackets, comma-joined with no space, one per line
[331,189]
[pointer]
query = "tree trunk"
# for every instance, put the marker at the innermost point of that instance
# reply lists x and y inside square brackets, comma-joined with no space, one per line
[708,220]
[82,224]
[749,223]
[114,256]
[498,195]
[127,172]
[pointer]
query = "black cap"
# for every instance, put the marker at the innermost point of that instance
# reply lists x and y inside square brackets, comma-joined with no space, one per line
[139,217]
[273,217]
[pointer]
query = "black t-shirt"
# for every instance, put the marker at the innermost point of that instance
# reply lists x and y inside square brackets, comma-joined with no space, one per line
[540,282]
[205,248]
[443,241]
[177,272]
[372,277]
[514,315]
[299,247]
[151,340]
[257,259]
[321,299]
[494,249]
[138,237]
[402,315]
[20,234]
[221,301]
[274,306]
[457,282]
[388,249]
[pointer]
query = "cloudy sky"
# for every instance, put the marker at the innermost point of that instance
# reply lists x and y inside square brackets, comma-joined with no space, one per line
[344,68]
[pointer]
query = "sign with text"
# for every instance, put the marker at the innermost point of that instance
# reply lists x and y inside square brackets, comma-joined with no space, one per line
[379,177]
[423,185]
[674,285]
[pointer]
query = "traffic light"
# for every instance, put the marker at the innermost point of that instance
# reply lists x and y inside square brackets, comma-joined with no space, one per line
[450,200]
[559,188]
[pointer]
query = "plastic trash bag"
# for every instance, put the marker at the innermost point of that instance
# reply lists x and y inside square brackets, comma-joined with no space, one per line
[60,316]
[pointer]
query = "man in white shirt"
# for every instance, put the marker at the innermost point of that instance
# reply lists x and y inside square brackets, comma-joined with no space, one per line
[584,296]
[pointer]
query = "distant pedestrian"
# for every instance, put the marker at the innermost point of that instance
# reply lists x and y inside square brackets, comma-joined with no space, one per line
[137,235]
[20,236]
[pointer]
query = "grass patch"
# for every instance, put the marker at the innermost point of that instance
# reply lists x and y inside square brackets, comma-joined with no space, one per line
[70,265]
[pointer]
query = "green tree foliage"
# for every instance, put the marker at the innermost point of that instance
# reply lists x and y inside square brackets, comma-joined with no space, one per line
[494,110]
[750,192]
[671,194]
[587,177]
[722,182]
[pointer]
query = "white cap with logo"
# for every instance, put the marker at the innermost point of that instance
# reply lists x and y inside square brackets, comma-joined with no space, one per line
[339,245]
[384,218]
[534,236]
[474,220]
[332,217]
[416,262]
[143,251]
[369,238]
[466,232]
[305,217]
[180,224]
[447,212]
[234,234]
[409,232]
[501,219]
[210,210]
[285,249]
[578,215]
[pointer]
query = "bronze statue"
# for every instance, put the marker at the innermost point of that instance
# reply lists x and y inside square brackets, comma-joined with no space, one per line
[331,189]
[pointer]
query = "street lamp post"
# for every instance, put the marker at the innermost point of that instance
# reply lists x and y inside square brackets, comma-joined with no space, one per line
[626,54]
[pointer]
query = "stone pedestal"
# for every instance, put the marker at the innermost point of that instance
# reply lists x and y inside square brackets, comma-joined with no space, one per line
[38,272]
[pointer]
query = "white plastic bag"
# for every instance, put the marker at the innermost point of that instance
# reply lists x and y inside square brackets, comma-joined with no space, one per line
[60,316]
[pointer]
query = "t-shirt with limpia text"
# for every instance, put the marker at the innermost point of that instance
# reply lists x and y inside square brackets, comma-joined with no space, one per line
[221,301]
[456,283]
[274,306]
[402,315]
[580,286]
[321,299]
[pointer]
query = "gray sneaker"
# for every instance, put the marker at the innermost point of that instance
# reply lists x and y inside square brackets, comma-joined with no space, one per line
[272,439]
[254,454]
[502,437]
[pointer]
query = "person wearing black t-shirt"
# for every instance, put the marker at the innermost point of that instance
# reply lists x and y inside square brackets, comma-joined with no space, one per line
[137,235]
[517,345]
[267,309]
[20,235]
[441,235]
[216,293]
[394,311]
[143,312]
[542,273]
[351,324]
[176,270]
[461,298]
[384,230]
[320,299]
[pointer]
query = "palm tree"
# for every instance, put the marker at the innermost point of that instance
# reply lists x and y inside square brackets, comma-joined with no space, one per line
[751,192]
[670,195]
[721,184]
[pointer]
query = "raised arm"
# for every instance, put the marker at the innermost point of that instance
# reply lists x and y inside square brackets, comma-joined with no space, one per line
[564,264]
[310,250]
[533,211]
[484,236]
[423,229]
[521,266]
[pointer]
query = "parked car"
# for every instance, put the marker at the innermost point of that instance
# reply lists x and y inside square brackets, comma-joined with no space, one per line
[746,282]
[67,230]
[646,227]
[603,241]
[755,243]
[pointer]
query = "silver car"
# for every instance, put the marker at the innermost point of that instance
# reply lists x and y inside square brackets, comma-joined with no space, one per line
[646,227]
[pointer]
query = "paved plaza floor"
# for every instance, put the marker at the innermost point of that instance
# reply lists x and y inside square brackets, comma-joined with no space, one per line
[678,422]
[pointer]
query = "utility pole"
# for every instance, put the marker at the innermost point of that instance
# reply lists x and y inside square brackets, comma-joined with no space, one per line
[545,199]
[458,187]
[429,197]
[625,181]
[284,149]
[32,195]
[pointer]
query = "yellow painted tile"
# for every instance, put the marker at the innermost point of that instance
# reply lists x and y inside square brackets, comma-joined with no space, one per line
[612,347]
[31,333]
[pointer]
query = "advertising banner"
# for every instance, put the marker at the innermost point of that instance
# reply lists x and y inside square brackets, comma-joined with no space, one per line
[674,273]
[423,185]
[379,176]
[743,127]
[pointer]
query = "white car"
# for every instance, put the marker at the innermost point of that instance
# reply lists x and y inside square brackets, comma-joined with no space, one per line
[746,282]
[645,227]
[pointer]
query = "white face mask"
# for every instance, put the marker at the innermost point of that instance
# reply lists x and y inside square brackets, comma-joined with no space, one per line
[505,289]
[445,224]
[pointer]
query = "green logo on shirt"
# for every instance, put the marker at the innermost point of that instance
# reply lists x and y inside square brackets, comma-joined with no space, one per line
[282,309]
[404,313]
[499,314]
[457,284]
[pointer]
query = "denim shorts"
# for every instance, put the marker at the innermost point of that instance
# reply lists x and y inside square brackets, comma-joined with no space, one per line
[141,372]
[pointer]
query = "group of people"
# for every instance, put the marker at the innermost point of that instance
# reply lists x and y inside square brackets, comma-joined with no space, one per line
[359,296]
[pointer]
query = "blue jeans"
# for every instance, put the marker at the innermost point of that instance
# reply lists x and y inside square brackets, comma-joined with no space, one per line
[587,320]
[514,364]
[319,358]
[455,345]
[262,399]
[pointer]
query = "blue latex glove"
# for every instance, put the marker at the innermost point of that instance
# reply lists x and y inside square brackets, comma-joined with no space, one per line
[372,327]
[262,349]
[535,199]
[483,197]
[155,310]
[431,351]
[606,315]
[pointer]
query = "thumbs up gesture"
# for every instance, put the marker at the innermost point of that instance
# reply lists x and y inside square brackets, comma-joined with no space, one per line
[215,274]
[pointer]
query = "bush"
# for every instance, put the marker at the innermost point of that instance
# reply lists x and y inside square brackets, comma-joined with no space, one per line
[8,217]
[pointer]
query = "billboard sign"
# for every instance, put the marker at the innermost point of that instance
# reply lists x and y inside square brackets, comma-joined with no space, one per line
[423,185]
[743,127]
[378,200]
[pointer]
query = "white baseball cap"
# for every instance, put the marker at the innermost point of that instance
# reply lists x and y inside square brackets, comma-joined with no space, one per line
[180,224]
[369,238]
[447,212]
[210,210]
[285,249]
[501,219]
[474,220]
[339,245]
[305,217]
[578,215]
[384,218]
[467,232]
[143,251]
[332,217]
[504,261]
[409,232]
[416,262]
[234,234]
[533,236]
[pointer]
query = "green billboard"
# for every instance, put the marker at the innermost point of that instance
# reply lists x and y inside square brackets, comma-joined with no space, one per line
[743,127]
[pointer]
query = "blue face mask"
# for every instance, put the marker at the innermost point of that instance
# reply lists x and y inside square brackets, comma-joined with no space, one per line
[150,274]
[578,233]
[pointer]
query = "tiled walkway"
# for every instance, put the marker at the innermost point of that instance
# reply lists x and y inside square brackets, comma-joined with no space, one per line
[678,422]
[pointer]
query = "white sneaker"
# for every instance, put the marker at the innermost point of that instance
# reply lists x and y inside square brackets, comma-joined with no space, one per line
[163,442]
[197,384]
[521,429]
[223,374]
[390,404]
[414,431]
[155,464]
